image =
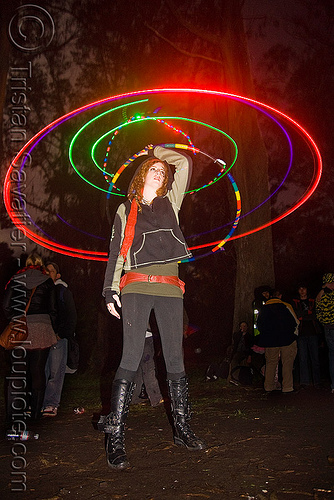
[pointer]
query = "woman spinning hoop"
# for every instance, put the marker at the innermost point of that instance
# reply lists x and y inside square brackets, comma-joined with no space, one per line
[147,243]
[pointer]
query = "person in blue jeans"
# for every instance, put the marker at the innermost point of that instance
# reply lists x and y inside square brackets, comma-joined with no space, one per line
[308,338]
[325,314]
[65,328]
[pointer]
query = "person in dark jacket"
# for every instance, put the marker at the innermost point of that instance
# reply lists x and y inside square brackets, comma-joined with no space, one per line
[29,358]
[308,338]
[147,243]
[277,324]
[65,329]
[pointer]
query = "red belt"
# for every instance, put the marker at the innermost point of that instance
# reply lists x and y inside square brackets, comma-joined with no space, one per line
[150,278]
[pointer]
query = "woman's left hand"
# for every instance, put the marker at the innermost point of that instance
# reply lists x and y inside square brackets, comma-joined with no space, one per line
[146,150]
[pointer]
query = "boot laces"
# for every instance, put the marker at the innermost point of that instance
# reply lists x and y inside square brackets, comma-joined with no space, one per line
[116,439]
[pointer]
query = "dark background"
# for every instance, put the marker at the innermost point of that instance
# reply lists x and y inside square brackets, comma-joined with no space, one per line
[102,48]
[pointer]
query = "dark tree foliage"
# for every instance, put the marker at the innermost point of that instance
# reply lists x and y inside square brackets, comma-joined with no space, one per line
[301,81]
[103,48]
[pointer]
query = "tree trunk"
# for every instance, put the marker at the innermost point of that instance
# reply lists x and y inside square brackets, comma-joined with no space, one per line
[223,40]
[255,261]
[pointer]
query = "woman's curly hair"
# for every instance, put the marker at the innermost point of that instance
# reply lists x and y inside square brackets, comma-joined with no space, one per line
[137,185]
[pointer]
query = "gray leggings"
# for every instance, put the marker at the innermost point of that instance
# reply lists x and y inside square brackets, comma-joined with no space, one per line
[136,309]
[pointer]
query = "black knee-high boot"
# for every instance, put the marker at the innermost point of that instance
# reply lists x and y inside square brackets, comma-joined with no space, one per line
[122,391]
[183,435]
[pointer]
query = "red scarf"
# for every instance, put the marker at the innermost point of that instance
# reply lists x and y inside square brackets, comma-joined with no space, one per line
[129,232]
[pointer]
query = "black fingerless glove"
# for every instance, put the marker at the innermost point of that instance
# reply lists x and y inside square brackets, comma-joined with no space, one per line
[109,296]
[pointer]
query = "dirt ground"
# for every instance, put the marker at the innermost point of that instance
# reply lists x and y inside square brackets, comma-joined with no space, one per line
[259,447]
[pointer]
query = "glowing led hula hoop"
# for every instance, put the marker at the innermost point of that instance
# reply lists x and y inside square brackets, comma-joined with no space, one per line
[166,124]
[193,149]
[222,170]
[24,154]
[220,245]
[75,137]
[220,162]
[275,190]
[116,130]
[137,117]
[122,168]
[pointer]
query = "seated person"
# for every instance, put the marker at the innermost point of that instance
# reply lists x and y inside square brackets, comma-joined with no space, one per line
[242,342]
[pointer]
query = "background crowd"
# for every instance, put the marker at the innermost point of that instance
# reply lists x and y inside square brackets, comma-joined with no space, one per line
[290,344]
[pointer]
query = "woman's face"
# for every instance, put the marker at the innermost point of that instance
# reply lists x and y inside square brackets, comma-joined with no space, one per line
[155,175]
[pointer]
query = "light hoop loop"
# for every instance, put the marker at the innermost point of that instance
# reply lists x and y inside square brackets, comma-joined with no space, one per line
[20,161]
